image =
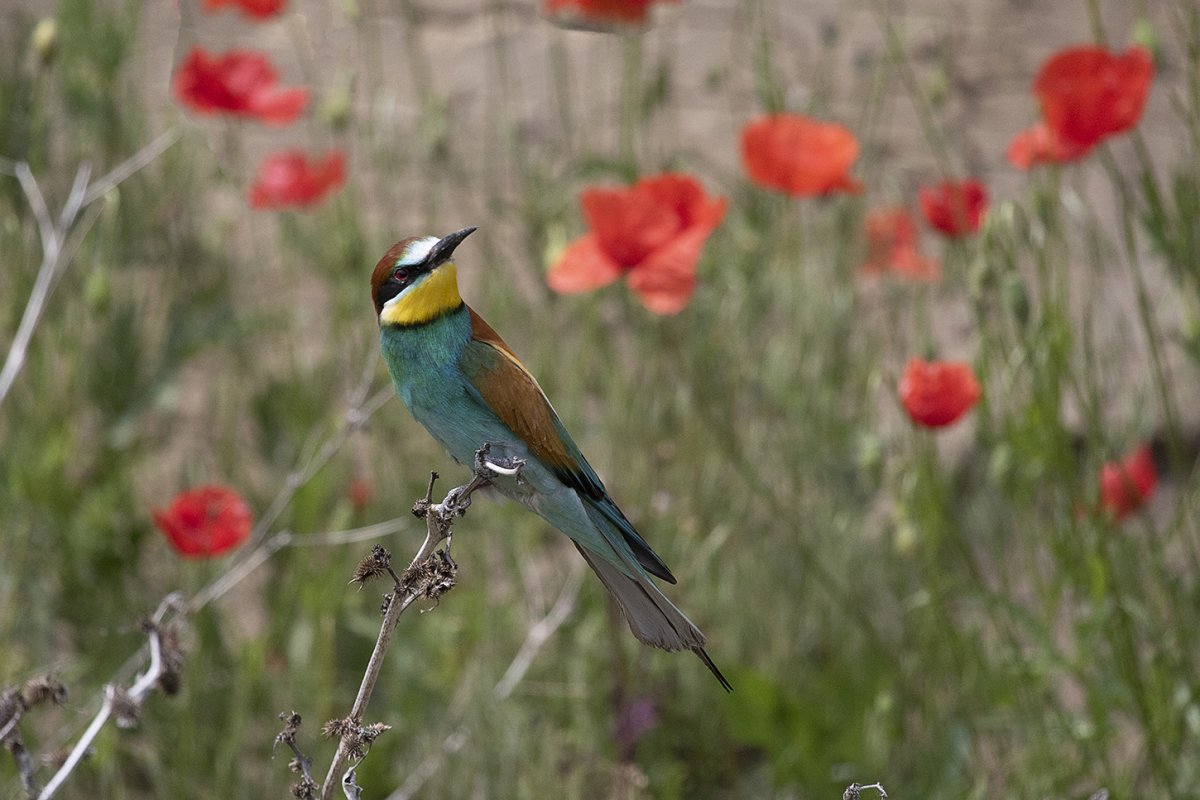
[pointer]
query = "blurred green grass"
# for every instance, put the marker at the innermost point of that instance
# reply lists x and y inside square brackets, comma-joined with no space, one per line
[935,614]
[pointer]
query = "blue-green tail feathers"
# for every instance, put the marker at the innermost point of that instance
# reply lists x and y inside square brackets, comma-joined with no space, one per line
[591,491]
[653,618]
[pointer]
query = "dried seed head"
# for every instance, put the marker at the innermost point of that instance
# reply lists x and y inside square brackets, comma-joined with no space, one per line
[374,565]
[124,710]
[10,704]
[372,731]
[304,790]
[43,689]
[337,728]
[54,760]
[291,726]
[170,682]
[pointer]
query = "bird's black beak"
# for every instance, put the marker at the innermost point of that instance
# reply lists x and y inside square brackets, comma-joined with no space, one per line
[442,251]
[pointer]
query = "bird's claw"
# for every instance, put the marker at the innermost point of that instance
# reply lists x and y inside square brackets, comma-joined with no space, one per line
[457,502]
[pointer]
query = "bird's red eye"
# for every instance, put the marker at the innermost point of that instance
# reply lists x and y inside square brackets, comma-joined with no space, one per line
[401,275]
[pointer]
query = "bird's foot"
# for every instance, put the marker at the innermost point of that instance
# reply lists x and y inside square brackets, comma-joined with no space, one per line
[446,553]
[457,501]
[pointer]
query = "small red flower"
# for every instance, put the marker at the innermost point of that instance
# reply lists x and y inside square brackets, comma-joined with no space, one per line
[937,393]
[1126,485]
[599,14]
[205,521]
[1040,145]
[239,83]
[892,246]
[360,492]
[955,209]
[291,179]
[652,232]
[798,155]
[1088,94]
[255,9]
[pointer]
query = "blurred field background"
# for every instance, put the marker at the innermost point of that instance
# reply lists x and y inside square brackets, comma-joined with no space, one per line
[939,611]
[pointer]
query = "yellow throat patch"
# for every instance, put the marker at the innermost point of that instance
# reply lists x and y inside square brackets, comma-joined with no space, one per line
[432,297]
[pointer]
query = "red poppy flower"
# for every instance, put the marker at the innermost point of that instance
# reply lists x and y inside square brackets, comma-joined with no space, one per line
[801,156]
[892,246]
[1088,94]
[955,209]
[599,14]
[1127,485]
[360,492]
[1040,145]
[238,82]
[205,521]
[291,179]
[255,9]
[936,393]
[652,232]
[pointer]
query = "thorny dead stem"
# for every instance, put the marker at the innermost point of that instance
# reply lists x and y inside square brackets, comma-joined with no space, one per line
[362,406]
[306,789]
[124,704]
[14,703]
[430,575]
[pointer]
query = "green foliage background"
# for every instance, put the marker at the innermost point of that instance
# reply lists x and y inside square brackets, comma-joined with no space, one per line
[938,612]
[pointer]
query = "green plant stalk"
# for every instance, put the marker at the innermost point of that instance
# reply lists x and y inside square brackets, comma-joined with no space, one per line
[1145,311]
[895,49]
[1125,649]
[630,101]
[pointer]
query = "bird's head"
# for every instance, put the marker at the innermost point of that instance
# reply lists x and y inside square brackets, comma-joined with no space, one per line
[416,281]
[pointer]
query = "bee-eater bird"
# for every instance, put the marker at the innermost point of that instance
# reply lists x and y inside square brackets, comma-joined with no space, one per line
[463,383]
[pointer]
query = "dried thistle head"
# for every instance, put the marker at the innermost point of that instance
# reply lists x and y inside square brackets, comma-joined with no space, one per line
[55,759]
[371,732]
[43,689]
[291,726]
[170,648]
[440,572]
[125,711]
[305,790]
[378,562]
[337,728]
[10,704]
[357,738]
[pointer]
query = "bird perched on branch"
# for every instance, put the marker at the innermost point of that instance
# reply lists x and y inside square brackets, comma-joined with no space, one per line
[463,383]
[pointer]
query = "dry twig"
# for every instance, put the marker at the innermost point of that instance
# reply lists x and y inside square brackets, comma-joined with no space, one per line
[430,575]
[57,247]
[125,704]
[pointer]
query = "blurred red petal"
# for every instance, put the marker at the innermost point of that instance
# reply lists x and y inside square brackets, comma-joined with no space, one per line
[937,393]
[240,83]
[653,231]
[801,156]
[205,521]
[1040,145]
[892,239]
[584,266]
[954,208]
[278,107]
[290,178]
[664,282]
[629,223]
[255,9]
[1127,485]
[1088,94]
[599,14]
